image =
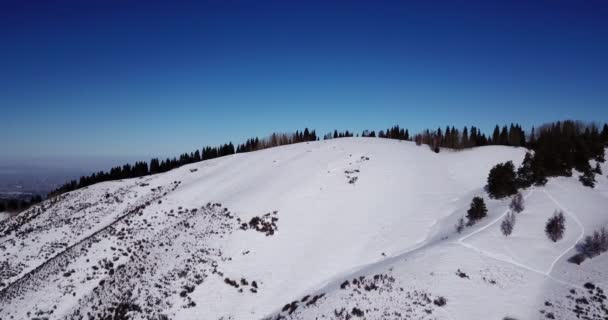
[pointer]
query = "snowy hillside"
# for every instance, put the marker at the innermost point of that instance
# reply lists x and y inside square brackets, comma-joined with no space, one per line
[335,229]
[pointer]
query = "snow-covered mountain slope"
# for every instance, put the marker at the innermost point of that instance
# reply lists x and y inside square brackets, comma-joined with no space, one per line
[336,229]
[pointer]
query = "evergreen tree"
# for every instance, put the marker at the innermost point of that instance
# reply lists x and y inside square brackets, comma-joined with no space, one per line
[525,173]
[504,137]
[154,166]
[501,180]
[496,135]
[588,177]
[464,141]
[597,169]
[477,210]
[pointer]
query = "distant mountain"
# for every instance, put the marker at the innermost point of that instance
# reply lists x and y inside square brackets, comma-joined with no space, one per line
[24,177]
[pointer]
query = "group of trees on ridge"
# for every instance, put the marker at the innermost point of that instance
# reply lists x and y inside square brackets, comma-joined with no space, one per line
[141,168]
[557,150]
[277,139]
[558,147]
[453,138]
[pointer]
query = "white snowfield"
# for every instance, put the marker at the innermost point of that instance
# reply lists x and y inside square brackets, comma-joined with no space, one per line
[339,229]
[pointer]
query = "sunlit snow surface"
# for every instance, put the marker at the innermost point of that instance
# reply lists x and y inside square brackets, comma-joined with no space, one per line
[332,229]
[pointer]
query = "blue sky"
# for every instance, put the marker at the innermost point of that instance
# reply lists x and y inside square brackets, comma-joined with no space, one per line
[157,78]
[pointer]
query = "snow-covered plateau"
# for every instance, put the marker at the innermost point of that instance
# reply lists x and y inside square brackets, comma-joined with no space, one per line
[352,228]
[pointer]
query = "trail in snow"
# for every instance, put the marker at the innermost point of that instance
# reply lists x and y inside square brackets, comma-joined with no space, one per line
[580,237]
[460,241]
[521,265]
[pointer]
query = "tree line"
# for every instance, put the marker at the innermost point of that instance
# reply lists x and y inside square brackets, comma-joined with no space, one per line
[277,139]
[556,150]
[551,144]
[142,168]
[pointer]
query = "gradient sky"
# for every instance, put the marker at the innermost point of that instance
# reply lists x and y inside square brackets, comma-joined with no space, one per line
[156,78]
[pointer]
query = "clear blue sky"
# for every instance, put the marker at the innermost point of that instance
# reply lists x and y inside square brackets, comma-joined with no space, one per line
[143,78]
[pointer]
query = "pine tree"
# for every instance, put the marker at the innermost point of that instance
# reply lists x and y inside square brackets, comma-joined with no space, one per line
[597,169]
[477,210]
[464,141]
[588,177]
[496,135]
[604,134]
[504,137]
[502,180]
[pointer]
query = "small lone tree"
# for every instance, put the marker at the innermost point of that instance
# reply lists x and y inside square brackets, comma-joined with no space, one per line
[555,226]
[460,225]
[502,180]
[508,224]
[517,203]
[477,211]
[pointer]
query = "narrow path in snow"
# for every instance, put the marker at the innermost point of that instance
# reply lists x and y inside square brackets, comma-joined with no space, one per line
[460,241]
[495,256]
[580,237]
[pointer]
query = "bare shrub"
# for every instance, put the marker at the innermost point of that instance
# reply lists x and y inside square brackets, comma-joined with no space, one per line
[556,226]
[508,224]
[517,203]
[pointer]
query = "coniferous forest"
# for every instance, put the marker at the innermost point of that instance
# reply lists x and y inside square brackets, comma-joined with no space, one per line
[556,149]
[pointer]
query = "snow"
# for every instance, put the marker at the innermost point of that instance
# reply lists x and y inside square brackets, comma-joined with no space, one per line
[4,215]
[396,220]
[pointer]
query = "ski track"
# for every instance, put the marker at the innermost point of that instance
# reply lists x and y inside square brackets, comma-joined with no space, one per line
[547,273]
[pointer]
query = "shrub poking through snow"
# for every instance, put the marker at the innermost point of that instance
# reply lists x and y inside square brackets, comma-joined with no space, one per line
[440,302]
[555,226]
[357,312]
[517,203]
[460,225]
[508,223]
[477,211]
